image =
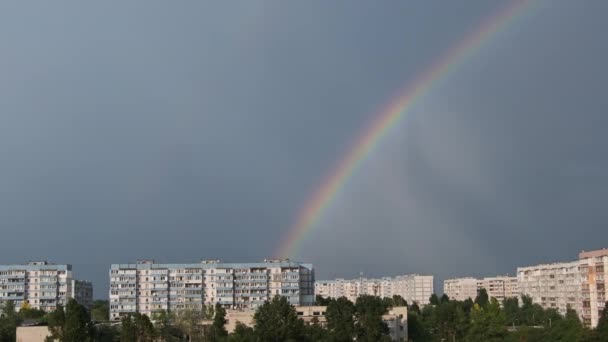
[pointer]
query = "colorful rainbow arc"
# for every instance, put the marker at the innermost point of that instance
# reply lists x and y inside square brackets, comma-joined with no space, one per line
[387,119]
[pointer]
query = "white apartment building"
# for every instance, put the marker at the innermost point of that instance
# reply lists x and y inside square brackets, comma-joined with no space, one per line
[553,286]
[499,287]
[146,287]
[413,288]
[460,288]
[330,288]
[42,285]
[593,268]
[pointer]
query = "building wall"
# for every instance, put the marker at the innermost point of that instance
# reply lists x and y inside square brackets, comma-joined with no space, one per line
[499,287]
[593,268]
[396,319]
[553,286]
[82,292]
[32,334]
[147,287]
[41,284]
[460,288]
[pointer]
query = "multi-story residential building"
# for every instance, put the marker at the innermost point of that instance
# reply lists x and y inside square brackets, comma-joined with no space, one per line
[593,268]
[146,287]
[499,287]
[82,291]
[553,286]
[330,288]
[40,284]
[413,288]
[460,288]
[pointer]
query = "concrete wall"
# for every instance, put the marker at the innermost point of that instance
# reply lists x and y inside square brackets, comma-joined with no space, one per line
[32,334]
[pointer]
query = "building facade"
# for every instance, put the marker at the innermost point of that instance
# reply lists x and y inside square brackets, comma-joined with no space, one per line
[413,288]
[593,267]
[460,288]
[146,287]
[499,287]
[553,286]
[40,284]
[82,291]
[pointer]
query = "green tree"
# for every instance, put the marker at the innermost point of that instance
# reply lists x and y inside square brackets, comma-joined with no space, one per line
[77,323]
[444,298]
[566,329]
[487,324]
[56,324]
[340,315]
[511,310]
[144,328]
[242,333]
[136,327]
[416,330]
[451,321]
[31,313]
[218,330]
[100,311]
[322,301]
[106,333]
[71,324]
[278,321]
[9,321]
[415,308]
[189,322]
[315,332]
[482,298]
[602,326]
[434,300]
[369,325]
[128,331]
[399,301]
[163,325]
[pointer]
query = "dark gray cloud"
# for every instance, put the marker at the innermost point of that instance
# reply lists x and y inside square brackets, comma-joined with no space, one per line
[180,131]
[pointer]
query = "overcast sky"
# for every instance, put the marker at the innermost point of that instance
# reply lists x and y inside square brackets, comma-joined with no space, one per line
[187,130]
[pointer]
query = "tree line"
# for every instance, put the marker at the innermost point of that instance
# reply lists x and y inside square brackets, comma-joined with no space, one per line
[443,319]
[483,319]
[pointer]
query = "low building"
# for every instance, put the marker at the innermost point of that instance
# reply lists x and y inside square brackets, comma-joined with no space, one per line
[396,320]
[32,334]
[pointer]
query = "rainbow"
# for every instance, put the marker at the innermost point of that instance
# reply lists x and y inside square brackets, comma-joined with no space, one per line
[388,118]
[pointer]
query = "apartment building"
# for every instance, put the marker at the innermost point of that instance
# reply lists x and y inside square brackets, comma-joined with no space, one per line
[146,286]
[413,288]
[330,288]
[553,286]
[42,285]
[499,287]
[82,291]
[593,267]
[460,288]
